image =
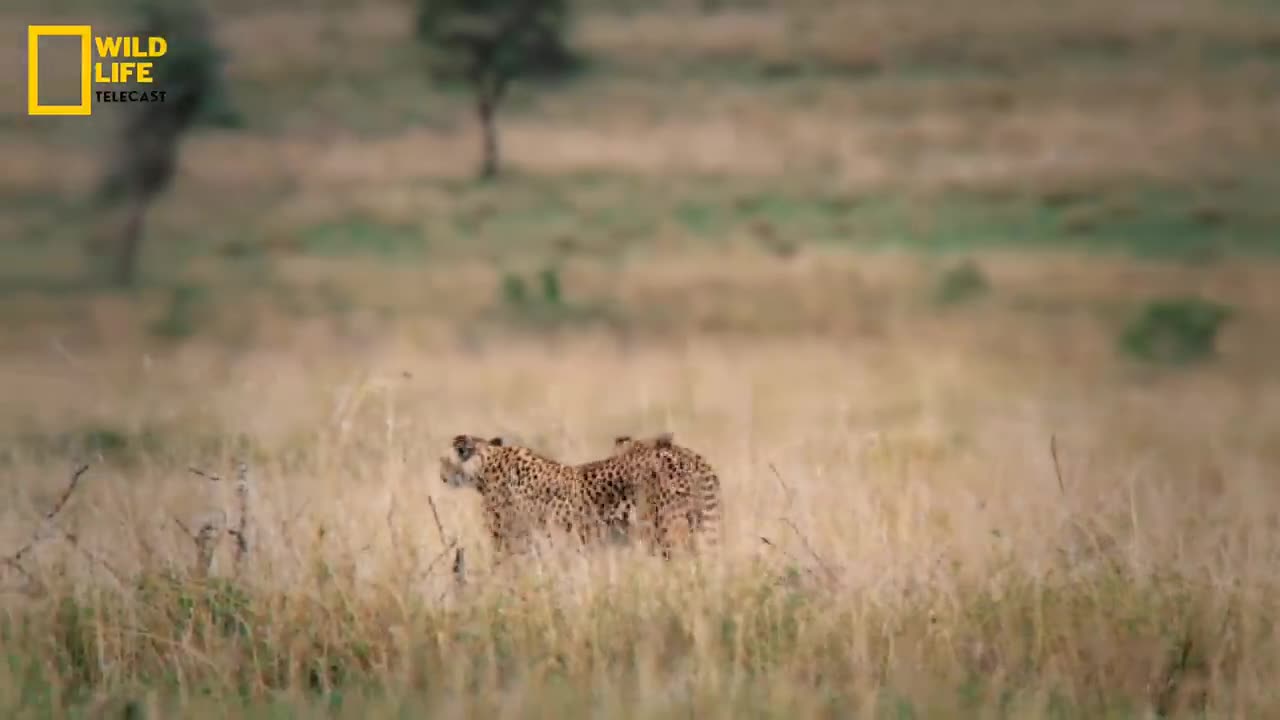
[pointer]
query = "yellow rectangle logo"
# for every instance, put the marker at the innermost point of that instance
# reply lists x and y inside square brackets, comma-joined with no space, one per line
[34,33]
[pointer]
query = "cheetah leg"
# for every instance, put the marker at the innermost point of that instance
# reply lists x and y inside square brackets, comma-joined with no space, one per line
[675,526]
[646,526]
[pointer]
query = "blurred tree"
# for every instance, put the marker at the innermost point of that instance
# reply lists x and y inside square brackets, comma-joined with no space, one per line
[144,154]
[487,44]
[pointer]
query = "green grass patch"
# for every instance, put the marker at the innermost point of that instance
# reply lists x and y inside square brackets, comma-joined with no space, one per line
[1143,221]
[362,236]
[126,447]
[1175,331]
[187,306]
[608,217]
[960,284]
[1146,222]
[605,214]
[539,303]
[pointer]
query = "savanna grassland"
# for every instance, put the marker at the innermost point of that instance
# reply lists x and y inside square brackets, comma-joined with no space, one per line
[880,262]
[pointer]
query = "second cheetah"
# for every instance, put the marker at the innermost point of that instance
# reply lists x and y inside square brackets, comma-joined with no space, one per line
[680,491]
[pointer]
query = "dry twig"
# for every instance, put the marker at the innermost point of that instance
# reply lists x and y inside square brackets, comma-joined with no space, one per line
[211,530]
[206,475]
[205,540]
[439,556]
[436,515]
[93,557]
[15,560]
[241,533]
[459,561]
[1057,468]
[459,568]
[826,569]
[789,494]
[206,544]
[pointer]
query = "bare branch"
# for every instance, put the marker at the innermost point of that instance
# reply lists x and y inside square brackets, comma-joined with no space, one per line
[241,533]
[206,544]
[206,475]
[205,540]
[436,515]
[185,530]
[439,556]
[459,561]
[1057,468]
[787,492]
[789,556]
[459,568]
[66,494]
[92,556]
[17,566]
[826,569]
[15,560]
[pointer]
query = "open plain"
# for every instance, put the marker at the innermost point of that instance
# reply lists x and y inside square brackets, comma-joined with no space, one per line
[880,262]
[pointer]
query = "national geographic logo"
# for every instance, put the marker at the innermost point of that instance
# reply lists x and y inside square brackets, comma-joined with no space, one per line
[121,63]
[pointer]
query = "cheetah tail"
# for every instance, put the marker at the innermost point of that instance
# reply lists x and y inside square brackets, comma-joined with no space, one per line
[708,483]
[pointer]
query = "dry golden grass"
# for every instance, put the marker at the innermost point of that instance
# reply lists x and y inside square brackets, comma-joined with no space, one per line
[896,531]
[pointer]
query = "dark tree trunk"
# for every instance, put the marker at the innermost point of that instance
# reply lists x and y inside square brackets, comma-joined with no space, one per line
[147,146]
[486,108]
[130,243]
[491,85]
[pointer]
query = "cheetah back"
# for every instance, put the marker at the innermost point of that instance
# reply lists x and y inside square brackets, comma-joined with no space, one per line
[681,482]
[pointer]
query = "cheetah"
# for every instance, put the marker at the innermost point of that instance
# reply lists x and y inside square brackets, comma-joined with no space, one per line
[523,491]
[682,490]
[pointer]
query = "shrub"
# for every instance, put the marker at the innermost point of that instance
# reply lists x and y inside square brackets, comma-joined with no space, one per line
[1175,331]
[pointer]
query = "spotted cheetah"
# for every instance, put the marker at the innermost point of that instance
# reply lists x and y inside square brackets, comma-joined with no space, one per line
[682,490]
[523,492]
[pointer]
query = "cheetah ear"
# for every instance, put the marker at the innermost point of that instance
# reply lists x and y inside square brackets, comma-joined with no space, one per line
[462,447]
[621,439]
[496,441]
[665,439]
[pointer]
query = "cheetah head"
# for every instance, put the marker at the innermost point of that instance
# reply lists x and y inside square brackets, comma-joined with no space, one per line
[625,443]
[464,463]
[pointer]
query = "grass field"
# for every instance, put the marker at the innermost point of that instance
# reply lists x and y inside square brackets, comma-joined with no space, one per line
[876,263]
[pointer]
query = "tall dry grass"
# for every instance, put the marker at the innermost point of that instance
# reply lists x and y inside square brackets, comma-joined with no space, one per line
[899,537]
